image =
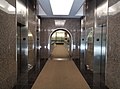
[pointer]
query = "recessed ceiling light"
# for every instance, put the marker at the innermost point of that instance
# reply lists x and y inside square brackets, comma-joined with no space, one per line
[6,7]
[3,3]
[60,22]
[11,8]
[114,9]
[111,9]
[2,6]
[61,7]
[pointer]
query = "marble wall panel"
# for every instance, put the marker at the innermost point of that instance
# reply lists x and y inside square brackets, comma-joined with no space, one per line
[32,29]
[7,49]
[47,26]
[113,62]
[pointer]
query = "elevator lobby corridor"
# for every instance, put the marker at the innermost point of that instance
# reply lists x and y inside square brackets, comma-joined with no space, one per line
[60,72]
[59,44]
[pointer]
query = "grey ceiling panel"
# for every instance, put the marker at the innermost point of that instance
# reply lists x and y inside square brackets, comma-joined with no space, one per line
[76,6]
[45,4]
[41,11]
[80,12]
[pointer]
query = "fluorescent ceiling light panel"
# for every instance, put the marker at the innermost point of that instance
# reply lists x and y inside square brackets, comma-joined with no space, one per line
[102,10]
[6,7]
[114,9]
[11,8]
[60,22]
[61,7]
[21,9]
[2,5]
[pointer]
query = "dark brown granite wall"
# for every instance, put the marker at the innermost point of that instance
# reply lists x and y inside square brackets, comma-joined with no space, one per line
[113,60]
[8,28]
[47,26]
[32,27]
[7,49]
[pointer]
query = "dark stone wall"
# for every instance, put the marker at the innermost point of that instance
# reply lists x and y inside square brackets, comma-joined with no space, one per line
[113,59]
[7,49]
[47,27]
[32,27]
[8,40]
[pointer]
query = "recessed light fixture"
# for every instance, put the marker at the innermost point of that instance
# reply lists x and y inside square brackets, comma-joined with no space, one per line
[111,9]
[11,8]
[20,8]
[6,7]
[60,22]
[114,9]
[2,5]
[61,7]
[102,10]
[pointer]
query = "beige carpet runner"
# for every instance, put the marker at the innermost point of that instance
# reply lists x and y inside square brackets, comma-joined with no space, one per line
[60,52]
[60,75]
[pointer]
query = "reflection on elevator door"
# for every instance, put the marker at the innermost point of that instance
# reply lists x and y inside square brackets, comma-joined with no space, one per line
[22,66]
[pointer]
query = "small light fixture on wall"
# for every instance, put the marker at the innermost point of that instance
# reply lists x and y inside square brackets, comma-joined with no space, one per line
[6,7]
[114,9]
[60,22]
[11,8]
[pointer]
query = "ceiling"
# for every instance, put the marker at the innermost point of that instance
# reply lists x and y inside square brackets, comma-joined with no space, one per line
[44,9]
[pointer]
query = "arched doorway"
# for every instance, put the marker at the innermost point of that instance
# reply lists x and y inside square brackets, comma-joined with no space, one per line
[60,36]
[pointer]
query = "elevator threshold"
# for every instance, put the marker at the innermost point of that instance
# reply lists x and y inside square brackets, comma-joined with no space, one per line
[60,74]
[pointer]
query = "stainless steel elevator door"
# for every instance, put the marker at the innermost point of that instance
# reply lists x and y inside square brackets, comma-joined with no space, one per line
[103,52]
[99,55]
[18,50]
[22,53]
[100,47]
[82,48]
